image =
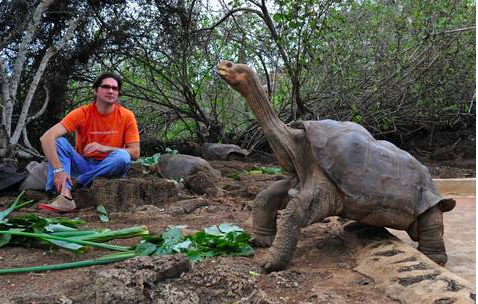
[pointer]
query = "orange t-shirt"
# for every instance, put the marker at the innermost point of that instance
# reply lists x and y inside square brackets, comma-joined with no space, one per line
[115,129]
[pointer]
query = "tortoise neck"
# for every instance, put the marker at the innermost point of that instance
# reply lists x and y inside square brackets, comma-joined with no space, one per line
[278,135]
[270,123]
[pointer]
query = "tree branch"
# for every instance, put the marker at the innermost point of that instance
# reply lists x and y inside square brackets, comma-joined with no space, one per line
[52,50]
[22,50]
[229,14]
[43,108]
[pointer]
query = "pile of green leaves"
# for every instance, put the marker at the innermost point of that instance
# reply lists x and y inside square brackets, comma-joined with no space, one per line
[32,230]
[225,239]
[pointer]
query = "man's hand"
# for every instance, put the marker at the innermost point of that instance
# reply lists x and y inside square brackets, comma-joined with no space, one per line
[94,146]
[60,179]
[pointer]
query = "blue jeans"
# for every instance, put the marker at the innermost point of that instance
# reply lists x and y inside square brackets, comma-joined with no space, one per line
[116,164]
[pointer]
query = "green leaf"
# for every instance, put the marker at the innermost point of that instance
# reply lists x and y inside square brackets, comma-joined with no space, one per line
[15,205]
[277,17]
[145,249]
[226,228]
[255,171]
[171,151]
[66,245]
[58,228]
[182,246]
[197,256]
[171,236]
[245,250]
[102,213]
[233,175]
[213,230]
[272,170]
[5,239]
[163,250]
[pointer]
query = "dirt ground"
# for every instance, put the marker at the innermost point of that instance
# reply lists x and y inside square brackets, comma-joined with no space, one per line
[322,270]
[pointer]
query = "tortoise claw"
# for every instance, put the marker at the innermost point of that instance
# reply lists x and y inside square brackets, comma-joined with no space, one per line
[272,262]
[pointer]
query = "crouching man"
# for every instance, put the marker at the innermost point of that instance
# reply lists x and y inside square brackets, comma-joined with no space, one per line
[107,139]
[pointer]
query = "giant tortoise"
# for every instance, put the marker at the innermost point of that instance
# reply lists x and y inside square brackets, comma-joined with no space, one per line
[337,168]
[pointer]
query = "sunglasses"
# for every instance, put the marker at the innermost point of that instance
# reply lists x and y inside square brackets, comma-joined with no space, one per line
[107,87]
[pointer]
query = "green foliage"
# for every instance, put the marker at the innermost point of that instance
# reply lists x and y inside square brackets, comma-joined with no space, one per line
[266,170]
[225,239]
[405,66]
[149,161]
[103,215]
[17,204]
[255,170]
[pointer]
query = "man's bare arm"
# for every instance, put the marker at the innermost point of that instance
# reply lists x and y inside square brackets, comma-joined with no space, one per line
[48,144]
[131,148]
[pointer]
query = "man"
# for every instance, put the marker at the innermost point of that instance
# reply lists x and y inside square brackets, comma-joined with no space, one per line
[107,139]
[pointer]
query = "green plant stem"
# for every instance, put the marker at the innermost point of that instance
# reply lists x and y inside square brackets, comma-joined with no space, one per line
[19,206]
[114,234]
[73,234]
[66,239]
[99,261]
[15,206]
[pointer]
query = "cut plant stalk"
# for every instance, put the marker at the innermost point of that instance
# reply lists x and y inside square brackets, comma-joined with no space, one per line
[114,234]
[99,261]
[47,237]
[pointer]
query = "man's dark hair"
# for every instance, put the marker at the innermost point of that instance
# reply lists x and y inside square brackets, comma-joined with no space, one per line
[100,78]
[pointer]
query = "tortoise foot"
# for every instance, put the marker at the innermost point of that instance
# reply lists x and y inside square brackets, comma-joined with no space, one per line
[263,241]
[273,262]
[439,258]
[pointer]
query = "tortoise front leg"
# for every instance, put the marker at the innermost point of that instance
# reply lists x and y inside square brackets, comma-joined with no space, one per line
[296,214]
[282,250]
[430,235]
[264,210]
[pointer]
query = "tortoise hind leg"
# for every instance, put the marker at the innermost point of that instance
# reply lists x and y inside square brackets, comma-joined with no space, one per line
[264,210]
[430,235]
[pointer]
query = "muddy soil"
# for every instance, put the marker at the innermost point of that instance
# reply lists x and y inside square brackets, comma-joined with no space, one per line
[322,270]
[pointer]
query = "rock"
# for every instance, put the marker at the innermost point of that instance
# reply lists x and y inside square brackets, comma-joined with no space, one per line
[121,194]
[169,294]
[151,209]
[127,282]
[187,206]
[213,281]
[401,271]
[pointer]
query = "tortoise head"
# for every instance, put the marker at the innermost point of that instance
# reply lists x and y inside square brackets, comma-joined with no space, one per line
[238,76]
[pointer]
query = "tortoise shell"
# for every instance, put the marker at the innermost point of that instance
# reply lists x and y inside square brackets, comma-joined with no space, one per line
[382,184]
[175,166]
[215,151]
